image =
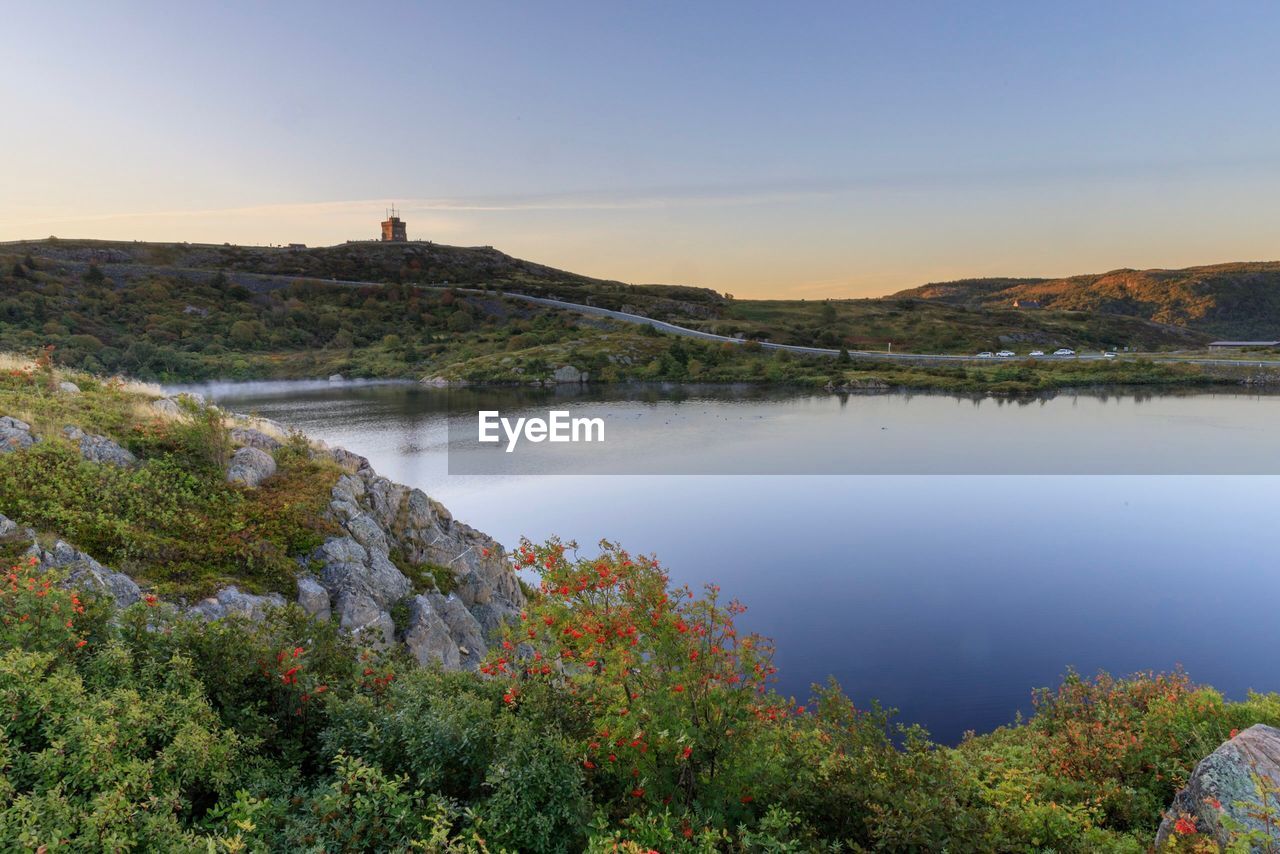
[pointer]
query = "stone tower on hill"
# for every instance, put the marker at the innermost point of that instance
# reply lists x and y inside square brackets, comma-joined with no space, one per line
[393,229]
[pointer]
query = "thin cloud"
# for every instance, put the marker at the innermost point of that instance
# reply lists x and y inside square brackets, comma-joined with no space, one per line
[660,198]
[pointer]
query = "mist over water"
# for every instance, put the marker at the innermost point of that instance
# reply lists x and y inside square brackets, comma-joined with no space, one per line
[948,596]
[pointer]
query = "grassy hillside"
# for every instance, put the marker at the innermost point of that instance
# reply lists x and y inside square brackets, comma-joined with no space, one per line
[162,323]
[157,321]
[417,262]
[178,312]
[924,326]
[1240,300]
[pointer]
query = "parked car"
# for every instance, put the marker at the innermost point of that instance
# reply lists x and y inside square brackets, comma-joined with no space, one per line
[986,354]
[1006,354]
[1064,351]
[1037,352]
[1108,355]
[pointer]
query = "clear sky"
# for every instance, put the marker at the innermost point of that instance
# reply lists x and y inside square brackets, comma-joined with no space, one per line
[783,149]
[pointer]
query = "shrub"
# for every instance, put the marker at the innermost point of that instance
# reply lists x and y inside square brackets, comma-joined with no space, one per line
[675,698]
[538,799]
[441,729]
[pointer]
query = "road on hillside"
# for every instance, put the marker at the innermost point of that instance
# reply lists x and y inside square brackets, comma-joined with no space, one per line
[856,354]
[280,280]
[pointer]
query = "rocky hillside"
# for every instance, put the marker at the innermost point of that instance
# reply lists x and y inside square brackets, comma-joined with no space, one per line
[1240,300]
[386,562]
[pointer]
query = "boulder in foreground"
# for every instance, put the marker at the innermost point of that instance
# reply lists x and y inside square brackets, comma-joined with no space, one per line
[1233,794]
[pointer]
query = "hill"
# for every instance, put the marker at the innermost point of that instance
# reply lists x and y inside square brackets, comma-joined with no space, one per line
[417,262]
[1238,300]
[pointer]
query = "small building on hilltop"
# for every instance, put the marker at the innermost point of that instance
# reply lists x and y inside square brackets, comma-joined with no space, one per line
[393,229]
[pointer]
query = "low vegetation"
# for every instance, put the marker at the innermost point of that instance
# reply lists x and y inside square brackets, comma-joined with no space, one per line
[622,715]
[172,521]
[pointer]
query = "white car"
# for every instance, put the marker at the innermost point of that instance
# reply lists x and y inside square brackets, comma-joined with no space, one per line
[1006,354]
[1064,351]
[1108,355]
[1037,352]
[986,354]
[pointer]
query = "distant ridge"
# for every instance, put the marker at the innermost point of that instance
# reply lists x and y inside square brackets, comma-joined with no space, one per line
[1234,300]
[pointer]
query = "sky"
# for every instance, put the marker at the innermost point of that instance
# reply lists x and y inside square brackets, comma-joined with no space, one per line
[800,149]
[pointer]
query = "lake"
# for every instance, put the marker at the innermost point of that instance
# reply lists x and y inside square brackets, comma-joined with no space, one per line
[942,554]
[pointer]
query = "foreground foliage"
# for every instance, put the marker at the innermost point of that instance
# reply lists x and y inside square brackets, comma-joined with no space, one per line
[622,715]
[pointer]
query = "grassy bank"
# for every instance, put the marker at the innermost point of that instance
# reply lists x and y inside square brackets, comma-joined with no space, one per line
[172,522]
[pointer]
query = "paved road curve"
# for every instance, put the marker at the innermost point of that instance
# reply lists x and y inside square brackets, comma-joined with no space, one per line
[857,354]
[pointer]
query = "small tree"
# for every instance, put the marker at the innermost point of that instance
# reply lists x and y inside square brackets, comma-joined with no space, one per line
[674,695]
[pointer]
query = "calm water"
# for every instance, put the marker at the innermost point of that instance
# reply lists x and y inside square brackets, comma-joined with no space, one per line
[946,595]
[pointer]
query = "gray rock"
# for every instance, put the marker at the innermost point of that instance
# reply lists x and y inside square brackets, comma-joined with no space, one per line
[1226,777]
[68,387]
[463,628]
[251,438]
[230,601]
[492,616]
[15,435]
[352,463]
[335,378]
[250,466]
[8,528]
[313,598]
[167,407]
[428,637]
[379,633]
[99,449]
[357,610]
[349,489]
[365,531]
[83,572]
[352,571]
[569,374]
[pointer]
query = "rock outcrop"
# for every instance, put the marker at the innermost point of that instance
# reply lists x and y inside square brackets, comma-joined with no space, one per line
[442,630]
[81,571]
[250,466]
[380,518]
[463,589]
[251,438]
[569,374]
[1233,781]
[230,600]
[313,598]
[15,435]
[99,449]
